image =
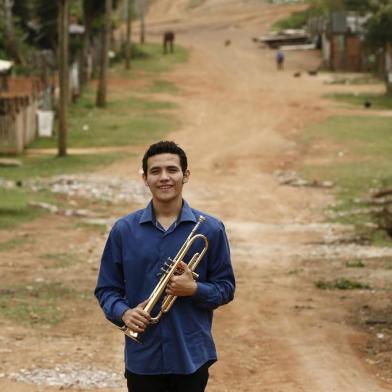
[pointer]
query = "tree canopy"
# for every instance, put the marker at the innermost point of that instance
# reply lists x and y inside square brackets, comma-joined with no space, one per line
[379,31]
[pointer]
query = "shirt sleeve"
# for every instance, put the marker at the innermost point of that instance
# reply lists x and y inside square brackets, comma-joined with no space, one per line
[110,289]
[219,287]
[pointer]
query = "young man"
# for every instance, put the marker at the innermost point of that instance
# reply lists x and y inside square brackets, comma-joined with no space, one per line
[175,353]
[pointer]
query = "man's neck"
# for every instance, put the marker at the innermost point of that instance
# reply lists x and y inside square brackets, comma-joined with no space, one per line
[167,213]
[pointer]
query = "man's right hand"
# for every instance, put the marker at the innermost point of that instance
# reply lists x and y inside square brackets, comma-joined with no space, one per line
[137,319]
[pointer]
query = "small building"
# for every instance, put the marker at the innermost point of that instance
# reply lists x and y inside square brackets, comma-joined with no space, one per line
[341,39]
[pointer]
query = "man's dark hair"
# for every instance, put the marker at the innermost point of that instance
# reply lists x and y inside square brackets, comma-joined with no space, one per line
[165,147]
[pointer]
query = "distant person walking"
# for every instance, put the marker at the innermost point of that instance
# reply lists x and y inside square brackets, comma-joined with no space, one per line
[279,59]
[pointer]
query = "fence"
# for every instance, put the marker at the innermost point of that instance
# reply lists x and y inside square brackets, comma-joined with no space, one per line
[18,118]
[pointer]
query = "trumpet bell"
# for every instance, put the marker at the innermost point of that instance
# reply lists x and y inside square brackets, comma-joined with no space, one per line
[131,334]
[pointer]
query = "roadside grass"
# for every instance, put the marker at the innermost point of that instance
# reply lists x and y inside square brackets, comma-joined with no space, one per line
[14,209]
[163,86]
[149,58]
[356,80]
[341,284]
[48,165]
[378,101]
[100,228]
[13,243]
[296,20]
[132,116]
[127,120]
[365,166]
[60,260]
[355,264]
[194,3]
[35,304]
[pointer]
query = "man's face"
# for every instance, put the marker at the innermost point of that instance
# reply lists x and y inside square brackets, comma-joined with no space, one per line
[165,177]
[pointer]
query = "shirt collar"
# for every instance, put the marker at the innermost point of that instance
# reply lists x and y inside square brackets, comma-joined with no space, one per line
[185,215]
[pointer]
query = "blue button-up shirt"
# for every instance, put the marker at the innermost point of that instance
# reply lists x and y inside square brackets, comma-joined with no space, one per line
[135,251]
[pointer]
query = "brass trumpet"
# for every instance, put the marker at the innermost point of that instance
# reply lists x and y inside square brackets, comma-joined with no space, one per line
[172,268]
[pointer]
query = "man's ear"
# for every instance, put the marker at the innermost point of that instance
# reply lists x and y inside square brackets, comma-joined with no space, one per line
[186,176]
[145,179]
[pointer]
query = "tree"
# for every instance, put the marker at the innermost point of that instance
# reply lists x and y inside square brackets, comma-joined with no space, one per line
[127,49]
[379,35]
[10,33]
[93,12]
[142,24]
[45,14]
[102,82]
[63,75]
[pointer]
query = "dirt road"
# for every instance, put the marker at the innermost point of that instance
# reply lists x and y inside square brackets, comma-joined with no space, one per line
[240,119]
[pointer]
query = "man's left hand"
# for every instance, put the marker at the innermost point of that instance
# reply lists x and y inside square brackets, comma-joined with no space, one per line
[183,284]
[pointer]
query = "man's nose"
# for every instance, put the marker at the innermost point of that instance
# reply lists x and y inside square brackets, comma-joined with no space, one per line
[164,175]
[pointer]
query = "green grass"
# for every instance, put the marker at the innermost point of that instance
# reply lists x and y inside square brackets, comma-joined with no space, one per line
[296,20]
[365,79]
[194,3]
[14,203]
[14,209]
[48,165]
[127,120]
[149,58]
[34,305]
[355,264]
[61,260]
[367,144]
[13,243]
[163,86]
[341,284]
[131,116]
[378,101]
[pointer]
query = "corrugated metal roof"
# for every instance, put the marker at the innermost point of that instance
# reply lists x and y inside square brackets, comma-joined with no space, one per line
[338,22]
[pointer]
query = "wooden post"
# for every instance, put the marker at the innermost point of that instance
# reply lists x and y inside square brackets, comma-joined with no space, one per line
[102,82]
[63,76]
[128,42]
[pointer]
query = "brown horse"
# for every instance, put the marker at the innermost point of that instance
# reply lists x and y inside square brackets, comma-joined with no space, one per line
[168,41]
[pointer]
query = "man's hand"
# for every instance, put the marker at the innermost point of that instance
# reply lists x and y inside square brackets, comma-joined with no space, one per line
[182,284]
[137,319]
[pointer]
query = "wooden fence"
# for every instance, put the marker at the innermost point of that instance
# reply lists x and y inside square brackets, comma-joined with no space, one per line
[18,119]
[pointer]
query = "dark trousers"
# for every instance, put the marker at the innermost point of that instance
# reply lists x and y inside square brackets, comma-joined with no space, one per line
[195,382]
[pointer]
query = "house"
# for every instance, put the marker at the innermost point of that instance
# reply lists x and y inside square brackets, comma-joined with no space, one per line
[341,39]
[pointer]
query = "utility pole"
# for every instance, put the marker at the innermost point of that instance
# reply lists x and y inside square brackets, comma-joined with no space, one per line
[128,42]
[102,82]
[63,76]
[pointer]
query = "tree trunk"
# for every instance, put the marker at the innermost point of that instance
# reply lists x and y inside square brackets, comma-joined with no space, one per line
[142,26]
[63,76]
[388,68]
[128,42]
[102,82]
[86,50]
